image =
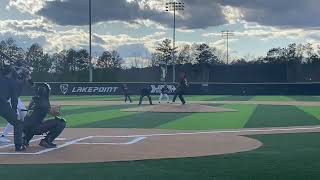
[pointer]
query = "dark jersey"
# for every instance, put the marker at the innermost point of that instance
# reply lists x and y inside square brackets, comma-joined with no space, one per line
[38,110]
[145,91]
[165,90]
[20,86]
[183,84]
[125,89]
[8,90]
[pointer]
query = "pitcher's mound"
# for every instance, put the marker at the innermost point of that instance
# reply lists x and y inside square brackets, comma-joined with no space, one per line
[178,108]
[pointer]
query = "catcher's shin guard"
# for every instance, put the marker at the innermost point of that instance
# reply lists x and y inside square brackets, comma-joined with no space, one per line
[60,124]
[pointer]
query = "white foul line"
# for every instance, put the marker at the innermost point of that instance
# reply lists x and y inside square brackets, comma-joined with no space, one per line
[217,132]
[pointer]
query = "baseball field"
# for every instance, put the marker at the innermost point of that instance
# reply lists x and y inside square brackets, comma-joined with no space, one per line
[264,137]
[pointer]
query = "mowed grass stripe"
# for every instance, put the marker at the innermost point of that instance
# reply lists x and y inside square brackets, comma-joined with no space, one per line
[272,98]
[280,116]
[233,98]
[137,120]
[77,120]
[220,120]
[85,109]
[306,98]
[201,98]
[313,111]
[3,122]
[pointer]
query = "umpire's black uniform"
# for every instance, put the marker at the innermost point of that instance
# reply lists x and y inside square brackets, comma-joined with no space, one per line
[34,123]
[126,94]
[181,90]
[145,92]
[8,90]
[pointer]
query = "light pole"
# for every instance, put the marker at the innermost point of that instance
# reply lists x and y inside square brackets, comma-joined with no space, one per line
[226,35]
[174,6]
[90,43]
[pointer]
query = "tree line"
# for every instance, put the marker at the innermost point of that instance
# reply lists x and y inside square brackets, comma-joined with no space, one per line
[204,54]
[63,61]
[78,60]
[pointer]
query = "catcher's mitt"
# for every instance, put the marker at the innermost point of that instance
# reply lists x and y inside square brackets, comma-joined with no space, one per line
[55,110]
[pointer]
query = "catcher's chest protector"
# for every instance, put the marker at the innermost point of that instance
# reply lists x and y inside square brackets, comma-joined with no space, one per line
[38,109]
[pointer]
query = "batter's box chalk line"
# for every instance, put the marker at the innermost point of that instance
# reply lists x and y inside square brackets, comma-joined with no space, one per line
[135,140]
[73,142]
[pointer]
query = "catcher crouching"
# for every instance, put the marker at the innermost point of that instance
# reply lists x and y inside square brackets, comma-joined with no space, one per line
[38,110]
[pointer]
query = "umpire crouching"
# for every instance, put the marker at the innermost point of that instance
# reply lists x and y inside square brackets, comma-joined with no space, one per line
[8,90]
[34,123]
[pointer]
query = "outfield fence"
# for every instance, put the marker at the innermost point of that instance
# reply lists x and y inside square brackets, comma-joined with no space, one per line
[114,88]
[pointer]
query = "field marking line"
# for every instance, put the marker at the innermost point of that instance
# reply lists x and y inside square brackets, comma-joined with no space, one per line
[16,153]
[9,145]
[218,132]
[63,145]
[136,140]
[46,150]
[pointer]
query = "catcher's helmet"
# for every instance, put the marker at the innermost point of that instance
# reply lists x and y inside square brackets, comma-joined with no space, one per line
[7,69]
[43,90]
[22,73]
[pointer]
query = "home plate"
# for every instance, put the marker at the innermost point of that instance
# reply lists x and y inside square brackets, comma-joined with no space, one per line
[173,108]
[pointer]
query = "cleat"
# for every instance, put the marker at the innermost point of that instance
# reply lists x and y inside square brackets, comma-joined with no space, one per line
[26,143]
[20,148]
[45,144]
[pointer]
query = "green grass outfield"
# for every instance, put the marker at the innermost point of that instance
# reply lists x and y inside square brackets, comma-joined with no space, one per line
[283,156]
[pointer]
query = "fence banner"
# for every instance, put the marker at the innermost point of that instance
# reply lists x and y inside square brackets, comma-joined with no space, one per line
[193,89]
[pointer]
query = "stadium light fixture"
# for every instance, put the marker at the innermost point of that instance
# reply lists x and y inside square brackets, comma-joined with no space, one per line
[226,35]
[173,7]
[90,43]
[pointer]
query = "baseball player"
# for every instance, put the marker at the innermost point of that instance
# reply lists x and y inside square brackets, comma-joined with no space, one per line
[164,91]
[38,110]
[23,79]
[8,90]
[182,86]
[145,92]
[126,93]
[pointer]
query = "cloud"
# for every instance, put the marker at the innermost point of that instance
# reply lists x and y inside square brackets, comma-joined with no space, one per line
[26,6]
[33,25]
[137,62]
[197,14]
[75,12]
[283,13]
[133,50]
[254,30]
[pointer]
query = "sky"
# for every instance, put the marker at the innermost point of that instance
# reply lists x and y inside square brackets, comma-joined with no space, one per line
[135,27]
